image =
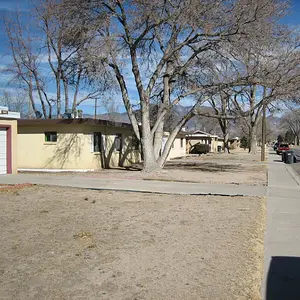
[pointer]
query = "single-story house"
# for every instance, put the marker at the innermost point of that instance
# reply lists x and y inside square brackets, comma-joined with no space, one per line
[8,141]
[81,144]
[201,137]
[75,144]
[233,143]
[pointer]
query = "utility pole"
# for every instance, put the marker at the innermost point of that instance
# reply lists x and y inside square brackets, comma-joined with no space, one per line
[263,128]
[95,113]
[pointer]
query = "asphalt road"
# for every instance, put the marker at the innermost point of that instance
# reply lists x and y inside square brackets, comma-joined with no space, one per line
[296,166]
[297,153]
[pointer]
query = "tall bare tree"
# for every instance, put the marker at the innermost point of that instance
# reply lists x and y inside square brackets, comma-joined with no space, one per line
[48,47]
[169,46]
[291,121]
[15,101]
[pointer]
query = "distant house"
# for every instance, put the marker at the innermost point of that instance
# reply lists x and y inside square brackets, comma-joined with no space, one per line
[233,143]
[8,141]
[201,137]
[75,144]
[178,148]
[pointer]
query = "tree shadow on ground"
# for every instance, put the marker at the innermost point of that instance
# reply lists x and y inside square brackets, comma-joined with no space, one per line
[283,281]
[205,167]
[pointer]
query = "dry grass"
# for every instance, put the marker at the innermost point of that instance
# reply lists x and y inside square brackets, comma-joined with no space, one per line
[60,243]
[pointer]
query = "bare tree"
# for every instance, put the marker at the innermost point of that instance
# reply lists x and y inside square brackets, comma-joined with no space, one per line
[25,67]
[221,106]
[169,46]
[274,71]
[15,101]
[48,47]
[291,121]
[111,108]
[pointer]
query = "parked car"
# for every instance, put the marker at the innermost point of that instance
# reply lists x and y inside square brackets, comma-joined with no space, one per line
[282,148]
[275,146]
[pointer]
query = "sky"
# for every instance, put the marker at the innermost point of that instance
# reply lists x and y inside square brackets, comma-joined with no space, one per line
[9,6]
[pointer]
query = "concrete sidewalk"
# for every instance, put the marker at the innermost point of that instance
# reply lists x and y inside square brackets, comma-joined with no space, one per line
[282,238]
[163,187]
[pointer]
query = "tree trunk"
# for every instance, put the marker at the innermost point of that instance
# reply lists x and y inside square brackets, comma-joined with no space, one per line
[252,141]
[31,98]
[158,140]
[150,164]
[66,94]
[58,95]
[226,145]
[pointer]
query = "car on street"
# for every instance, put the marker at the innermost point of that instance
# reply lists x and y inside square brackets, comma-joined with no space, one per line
[275,146]
[282,148]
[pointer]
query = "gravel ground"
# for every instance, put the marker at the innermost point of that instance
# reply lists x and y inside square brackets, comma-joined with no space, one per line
[59,243]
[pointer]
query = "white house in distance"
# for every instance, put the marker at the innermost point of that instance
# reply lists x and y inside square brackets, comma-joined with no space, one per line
[201,137]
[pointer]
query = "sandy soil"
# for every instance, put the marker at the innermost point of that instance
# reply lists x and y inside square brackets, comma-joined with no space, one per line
[59,243]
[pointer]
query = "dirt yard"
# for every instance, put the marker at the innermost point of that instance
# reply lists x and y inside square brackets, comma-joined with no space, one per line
[239,167]
[59,243]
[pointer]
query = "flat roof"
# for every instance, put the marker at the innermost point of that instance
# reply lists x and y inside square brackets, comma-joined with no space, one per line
[81,121]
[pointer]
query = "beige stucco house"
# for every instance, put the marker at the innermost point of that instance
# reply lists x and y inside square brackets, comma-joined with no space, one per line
[75,144]
[201,137]
[233,143]
[8,141]
[81,145]
[178,148]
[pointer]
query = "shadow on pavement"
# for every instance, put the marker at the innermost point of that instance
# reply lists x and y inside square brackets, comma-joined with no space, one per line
[283,282]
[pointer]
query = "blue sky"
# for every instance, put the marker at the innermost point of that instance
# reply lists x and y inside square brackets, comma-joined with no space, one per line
[9,6]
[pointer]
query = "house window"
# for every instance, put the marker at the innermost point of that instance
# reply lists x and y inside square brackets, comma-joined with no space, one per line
[51,137]
[118,142]
[135,143]
[181,143]
[97,141]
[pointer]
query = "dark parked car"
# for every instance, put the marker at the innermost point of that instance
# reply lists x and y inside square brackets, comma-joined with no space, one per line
[275,146]
[283,148]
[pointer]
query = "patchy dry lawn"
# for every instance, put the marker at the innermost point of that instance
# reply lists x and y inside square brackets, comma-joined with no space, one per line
[59,243]
[236,168]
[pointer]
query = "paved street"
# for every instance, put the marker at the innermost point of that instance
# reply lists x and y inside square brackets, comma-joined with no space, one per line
[282,239]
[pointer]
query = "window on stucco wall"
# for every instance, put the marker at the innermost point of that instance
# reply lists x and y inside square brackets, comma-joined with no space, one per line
[118,142]
[181,143]
[51,137]
[135,143]
[97,141]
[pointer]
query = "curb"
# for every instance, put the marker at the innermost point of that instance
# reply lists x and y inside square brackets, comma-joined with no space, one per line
[293,173]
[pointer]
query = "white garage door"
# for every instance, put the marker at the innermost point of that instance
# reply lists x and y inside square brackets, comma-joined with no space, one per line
[3,168]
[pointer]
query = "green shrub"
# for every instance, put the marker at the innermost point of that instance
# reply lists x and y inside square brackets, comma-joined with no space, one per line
[200,149]
[244,142]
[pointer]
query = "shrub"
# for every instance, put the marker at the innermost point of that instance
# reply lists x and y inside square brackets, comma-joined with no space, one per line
[244,142]
[200,149]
